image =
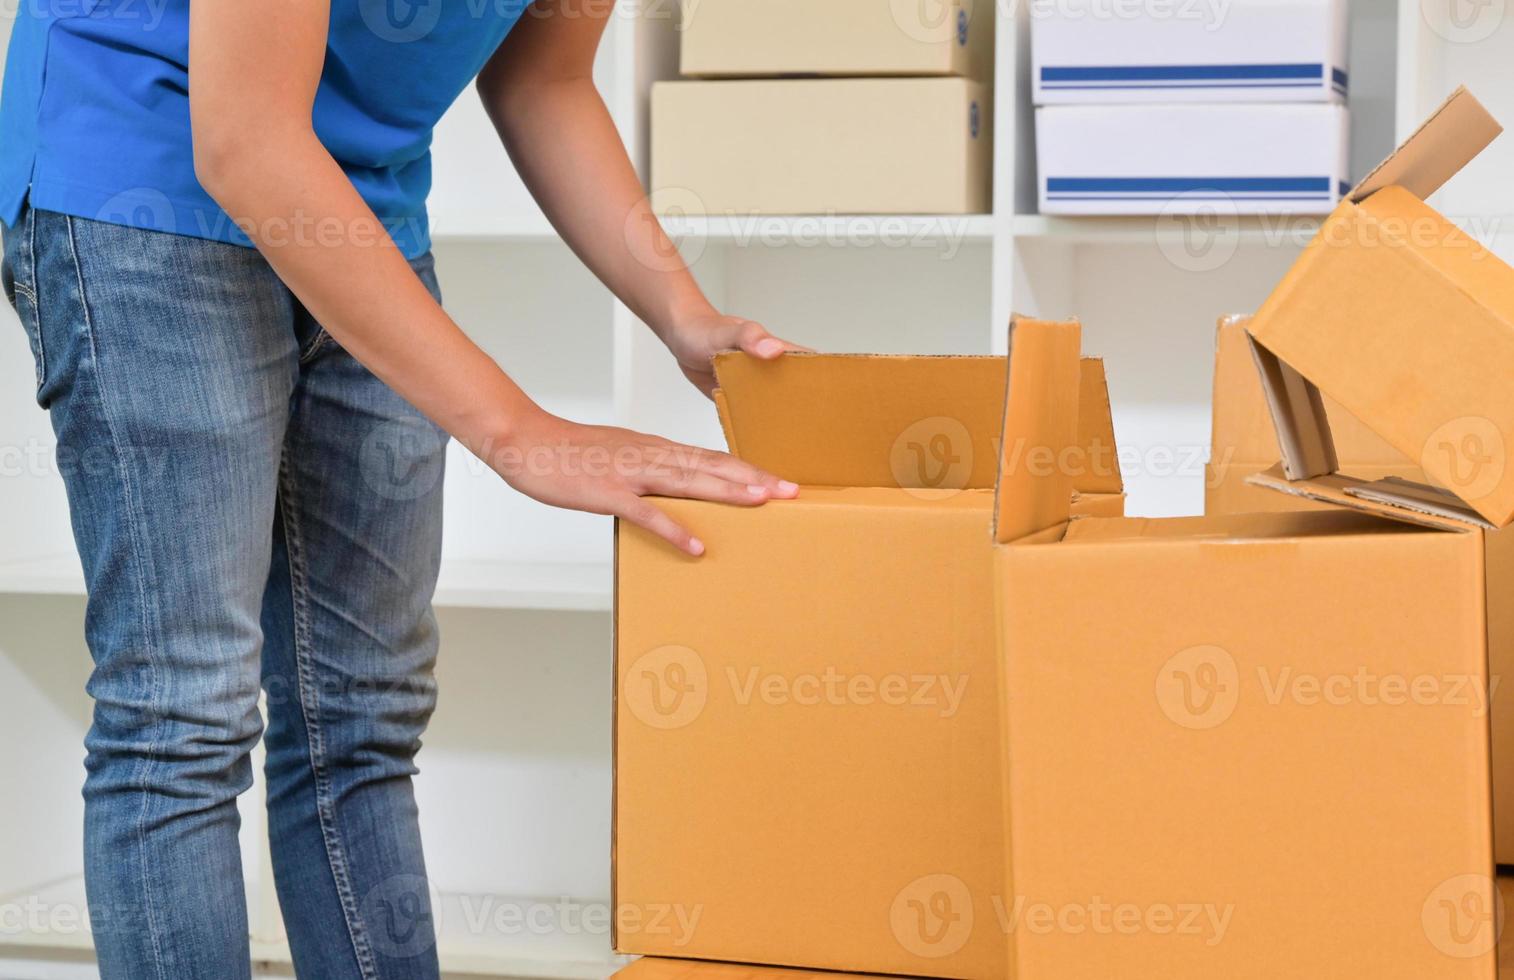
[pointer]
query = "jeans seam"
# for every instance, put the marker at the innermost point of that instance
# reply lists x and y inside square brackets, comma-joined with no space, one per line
[310,349]
[309,691]
[144,766]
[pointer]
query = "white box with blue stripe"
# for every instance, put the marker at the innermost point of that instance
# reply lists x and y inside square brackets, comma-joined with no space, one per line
[1192,159]
[1104,51]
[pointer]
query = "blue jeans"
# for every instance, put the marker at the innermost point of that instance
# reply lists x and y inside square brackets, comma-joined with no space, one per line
[254,510]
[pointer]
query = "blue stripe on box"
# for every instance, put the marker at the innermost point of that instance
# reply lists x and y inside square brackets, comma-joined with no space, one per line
[1182,185]
[1125,87]
[1187,73]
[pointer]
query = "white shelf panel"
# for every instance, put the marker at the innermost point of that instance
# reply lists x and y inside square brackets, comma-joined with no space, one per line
[468,941]
[581,586]
[805,230]
[577,586]
[1279,230]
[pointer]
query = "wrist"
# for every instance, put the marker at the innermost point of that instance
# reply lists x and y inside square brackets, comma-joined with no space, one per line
[683,311]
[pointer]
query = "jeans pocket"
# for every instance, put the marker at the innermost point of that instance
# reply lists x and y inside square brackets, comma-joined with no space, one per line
[18,277]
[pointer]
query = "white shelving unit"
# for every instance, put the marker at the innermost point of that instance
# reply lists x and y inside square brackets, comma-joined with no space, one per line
[516,781]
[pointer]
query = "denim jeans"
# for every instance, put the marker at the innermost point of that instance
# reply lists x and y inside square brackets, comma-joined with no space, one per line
[254,511]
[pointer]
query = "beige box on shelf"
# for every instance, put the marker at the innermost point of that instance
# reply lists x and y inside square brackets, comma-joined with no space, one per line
[821,146]
[806,751]
[837,37]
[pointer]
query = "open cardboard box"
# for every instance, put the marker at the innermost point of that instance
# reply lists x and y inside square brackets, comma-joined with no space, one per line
[1245,443]
[807,750]
[1237,745]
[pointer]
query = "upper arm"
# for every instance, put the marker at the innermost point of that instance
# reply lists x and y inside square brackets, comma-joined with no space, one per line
[554,41]
[253,71]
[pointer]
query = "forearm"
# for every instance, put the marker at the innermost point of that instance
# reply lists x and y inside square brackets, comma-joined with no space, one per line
[326,244]
[568,152]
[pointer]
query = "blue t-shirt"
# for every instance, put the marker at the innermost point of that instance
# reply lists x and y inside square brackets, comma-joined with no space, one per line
[94,113]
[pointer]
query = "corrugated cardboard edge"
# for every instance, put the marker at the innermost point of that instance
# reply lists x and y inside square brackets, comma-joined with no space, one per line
[1331,489]
[1298,416]
[1455,133]
[614,732]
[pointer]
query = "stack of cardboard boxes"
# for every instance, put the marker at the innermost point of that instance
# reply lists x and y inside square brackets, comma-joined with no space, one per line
[858,736]
[1238,107]
[842,107]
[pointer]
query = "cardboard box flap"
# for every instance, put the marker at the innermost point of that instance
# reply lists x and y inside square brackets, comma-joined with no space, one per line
[1242,433]
[1039,436]
[1393,498]
[1455,133]
[919,422]
[1309,465]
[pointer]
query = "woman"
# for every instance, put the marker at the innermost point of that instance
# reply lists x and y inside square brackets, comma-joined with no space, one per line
[252,403]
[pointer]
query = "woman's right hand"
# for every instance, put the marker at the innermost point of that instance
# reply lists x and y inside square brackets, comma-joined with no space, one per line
[608,470]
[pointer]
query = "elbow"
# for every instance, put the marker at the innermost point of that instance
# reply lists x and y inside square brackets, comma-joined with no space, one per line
[217,160]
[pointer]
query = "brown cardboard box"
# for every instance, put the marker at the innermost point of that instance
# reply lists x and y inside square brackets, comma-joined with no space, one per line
[661,968]
[1245,444]
[838,37]
[1237,746]
[806,759]
[821,146]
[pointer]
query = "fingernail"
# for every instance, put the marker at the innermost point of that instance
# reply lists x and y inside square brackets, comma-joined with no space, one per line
[769,347]
[755,490]
[696,547]
[784,486]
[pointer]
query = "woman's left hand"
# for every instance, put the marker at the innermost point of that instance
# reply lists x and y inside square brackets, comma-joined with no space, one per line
[696,340]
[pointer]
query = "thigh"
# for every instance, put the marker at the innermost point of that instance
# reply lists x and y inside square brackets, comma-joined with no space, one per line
[361,512]
[167,364]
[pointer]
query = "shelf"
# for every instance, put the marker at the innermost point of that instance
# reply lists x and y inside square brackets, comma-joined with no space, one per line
[469,584]
[1290,230]
[54,917]
[525,585]
[831,230]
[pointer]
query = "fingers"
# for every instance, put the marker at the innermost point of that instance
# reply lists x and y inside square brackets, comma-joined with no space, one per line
[672,462]
[755,340]
[728,467]
[646,515]
[704,486]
